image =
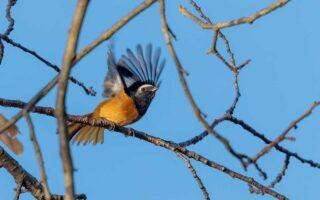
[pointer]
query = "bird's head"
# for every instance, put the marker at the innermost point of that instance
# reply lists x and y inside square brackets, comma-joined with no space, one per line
[143,96]
[145,92]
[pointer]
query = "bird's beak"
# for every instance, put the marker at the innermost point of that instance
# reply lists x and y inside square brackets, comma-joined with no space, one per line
[153,89]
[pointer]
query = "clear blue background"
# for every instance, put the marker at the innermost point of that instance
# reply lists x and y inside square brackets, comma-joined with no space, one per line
[280,83]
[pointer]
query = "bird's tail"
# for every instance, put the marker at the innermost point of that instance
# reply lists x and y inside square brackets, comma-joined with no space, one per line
[80,133]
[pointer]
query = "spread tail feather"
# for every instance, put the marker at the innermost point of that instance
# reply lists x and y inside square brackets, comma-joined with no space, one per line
[85,134]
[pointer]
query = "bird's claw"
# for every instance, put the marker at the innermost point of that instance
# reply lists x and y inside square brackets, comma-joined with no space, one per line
[132,132]
[112,126]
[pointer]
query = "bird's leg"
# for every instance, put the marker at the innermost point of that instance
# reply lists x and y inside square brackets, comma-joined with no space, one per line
[99,120]
[132,132]
[113,126]
[102,121]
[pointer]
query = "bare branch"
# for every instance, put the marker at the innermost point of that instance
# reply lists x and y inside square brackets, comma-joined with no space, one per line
[69,55]
[255,133]
[30,104]
[231,66]
[285,132]
[1,50]
[18,191]
[249,19]
[151,139]
[89,91]
[116,27]
[10,4]
[252,18]
[282,172]
[37,149]
[195,176]
[216,52]
[20,174]
[7,32]
[202,135]
[198,9]
[28,181]
[61,197]
[187,92]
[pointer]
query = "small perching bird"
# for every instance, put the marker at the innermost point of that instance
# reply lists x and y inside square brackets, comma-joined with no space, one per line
[130,86]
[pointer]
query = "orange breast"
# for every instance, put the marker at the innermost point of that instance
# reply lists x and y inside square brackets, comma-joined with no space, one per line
[119,109]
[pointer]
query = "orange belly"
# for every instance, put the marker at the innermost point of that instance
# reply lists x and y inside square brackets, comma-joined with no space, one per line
[120,109]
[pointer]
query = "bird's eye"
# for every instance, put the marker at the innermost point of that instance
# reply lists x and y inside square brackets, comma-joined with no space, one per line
[143,89]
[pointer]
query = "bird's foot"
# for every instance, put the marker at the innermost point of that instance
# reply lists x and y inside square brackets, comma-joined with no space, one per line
[99,121]
[132,132]
[113,126]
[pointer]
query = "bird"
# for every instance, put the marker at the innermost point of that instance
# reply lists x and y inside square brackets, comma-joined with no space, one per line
[130,86]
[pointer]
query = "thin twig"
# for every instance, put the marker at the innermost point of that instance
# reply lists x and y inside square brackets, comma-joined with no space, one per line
[282,136]
[30,104]
[10,4]
[19,173]
[195,176]
[277,180]
[61,197]
[249,19]
[252,18]
[148,138]
[238,94]
[37,149]
[216,52]
[282,172]
[261,172]
[216,34]
[231,56]
[89,91]
[69,55]
[1,50]
[7,32]
[18,191]
[222,36]
[184,84]
[202,135]
[29,182]
[198,9]
[231,66]
[116,27]
[262,137]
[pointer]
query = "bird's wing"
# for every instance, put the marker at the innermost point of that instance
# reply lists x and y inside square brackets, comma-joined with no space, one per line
[133,70]
[113,82]
[141,68]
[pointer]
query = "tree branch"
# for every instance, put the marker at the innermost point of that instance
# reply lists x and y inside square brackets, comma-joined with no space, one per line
[282,136]
[69,55]
[89,91]
[18,191]
[37,149]
[20,175]
[195,176]
[116,27]
[187,92]
[10,4]
[262,137]
[151,139]
[28,181]
[249,19]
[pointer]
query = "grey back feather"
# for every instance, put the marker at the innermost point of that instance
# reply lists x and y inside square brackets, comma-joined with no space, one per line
[112,83]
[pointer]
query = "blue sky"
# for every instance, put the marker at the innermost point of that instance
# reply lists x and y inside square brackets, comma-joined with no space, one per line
[278,85]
